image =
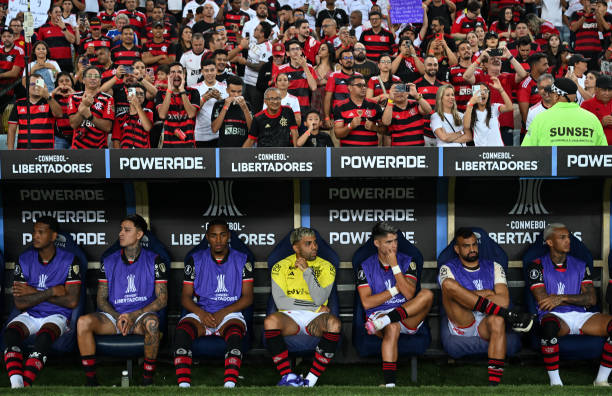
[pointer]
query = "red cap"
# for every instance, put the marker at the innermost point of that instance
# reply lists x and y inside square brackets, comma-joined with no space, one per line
[278,49]
[95,23]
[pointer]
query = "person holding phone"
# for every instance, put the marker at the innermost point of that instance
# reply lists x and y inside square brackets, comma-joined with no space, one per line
[379,86]
[447,121]
[404,117]
[47,68]
[311,136]
[62,94]
[59,36]
[132,129]
[481,117]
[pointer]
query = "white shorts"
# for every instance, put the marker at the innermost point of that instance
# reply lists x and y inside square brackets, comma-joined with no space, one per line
[114,321]
[302,319]
[215,330]
[574,320]
[468,331]
[404,329]
[34,324]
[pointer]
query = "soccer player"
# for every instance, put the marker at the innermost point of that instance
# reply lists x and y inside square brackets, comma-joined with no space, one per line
[301,285]
[132,288]
[386,283]
[46,287]
[563,289]
[475,297]
[221,279]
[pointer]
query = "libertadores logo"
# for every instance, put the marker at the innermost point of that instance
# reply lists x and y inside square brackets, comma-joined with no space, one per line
[222,199]
[529,200]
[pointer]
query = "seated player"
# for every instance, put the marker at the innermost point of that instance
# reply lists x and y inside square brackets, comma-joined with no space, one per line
[386,283]
[132,288]
[221,279]
[46,287]
[563,289]
[301,285]
[476,298]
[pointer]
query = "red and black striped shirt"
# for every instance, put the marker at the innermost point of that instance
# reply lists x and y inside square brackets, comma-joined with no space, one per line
[62,125]
[407,125]
[59,47]
[87,135]
[14,57]
[463,89]
[106,18]
[298,84]
[587,36]
[429,92]
[177,118]
[103,41]
[376,85]
[41,123]
[156,49]
[377,43]
[124,56]
[169,32]
[338,84]
[232,17]
[107,74]
[137,19]
[359,136]
[129,131]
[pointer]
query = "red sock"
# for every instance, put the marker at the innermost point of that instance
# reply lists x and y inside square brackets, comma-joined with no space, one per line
[496,370]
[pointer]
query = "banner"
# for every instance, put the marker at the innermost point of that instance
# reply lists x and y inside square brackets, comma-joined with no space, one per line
[406,11]
[38,8]
[497,161]
[261,213]
[56,164]
[344,212]
[384,162]
[579,161]
[515,211]
[273,162]
[166,163]
[90,212]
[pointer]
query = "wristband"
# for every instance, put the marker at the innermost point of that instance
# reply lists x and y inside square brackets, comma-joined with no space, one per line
[240,47]
[326,118]
[393,291]
[390,101]
[477,61]
[396,270]
[510,58]
[225,108]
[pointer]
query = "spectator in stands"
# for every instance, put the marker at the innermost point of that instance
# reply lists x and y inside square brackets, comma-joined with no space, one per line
[232,118]
[428,86]
[407,65]
[356,118]
[127,52]
[46,306]
[601,104]
[137,19]
[463,89]
[178,106]
[504,26]
[309,314]
[481,118]
[59,38]
[248,31]
[442,11]
[287,100]
[545,83]
[589,84]
[472,40]
[192,60]
[42,65]
[362,64]
[444,56]
[565,123]
[527,94]
[390,298]
[303,78]
[11,65]
[377,40]
[105,64]
[577,73]
[67,16]
[132,130]
[310,45]
[121,21]
[91,113]
[208,18]
[330,33]
[212,311]
[331,12]
[587,25]
[479,311]
[404,117]
[563,288]
[311,135]
[447,121]
[275,126]
[158,51]
[184,41]
[380,85]
[324,68]
[120,314]
[356,19]
[210,91]
[62,94]
[107,14]
[467,21]
[234,20]
[169,31]
[221,63]
[43,111]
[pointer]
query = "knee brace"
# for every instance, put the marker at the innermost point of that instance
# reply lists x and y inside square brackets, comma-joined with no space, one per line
[550,329]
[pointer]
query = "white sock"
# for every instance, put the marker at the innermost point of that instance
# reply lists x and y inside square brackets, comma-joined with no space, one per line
[390,385]
[312,379]
[382,322]
[603,374]
[229,384]
[16,381]
[184,385]
[555,379]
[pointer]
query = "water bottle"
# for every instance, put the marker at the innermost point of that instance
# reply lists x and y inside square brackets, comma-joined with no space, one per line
[125,380]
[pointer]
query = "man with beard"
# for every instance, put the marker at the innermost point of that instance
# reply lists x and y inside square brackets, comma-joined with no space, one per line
[404,118]
[192,59]
[428,87]
[463,89]
[377,40]
[356,118]
[178,107]
[169,33]
[262,16]
[362,65]
[302,76]
[337,85]
[310,45]
[545,83]
[274,126]
[217,308]
[11,64]
[476,298]
[527,94]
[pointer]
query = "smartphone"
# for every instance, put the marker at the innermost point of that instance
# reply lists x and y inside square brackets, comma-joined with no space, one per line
[496,52]
[408,43]
[570,69]
[40,83]
[476,90]
[247,35]
[128,69]
[85,61]
[400,88]
[131,91]
[439,36]
[151,72]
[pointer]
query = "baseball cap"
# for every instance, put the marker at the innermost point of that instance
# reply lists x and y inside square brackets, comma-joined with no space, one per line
[578,58]
[157,24]
[94,23]
[604,81]
[491,35]
[278,49]
[564,86]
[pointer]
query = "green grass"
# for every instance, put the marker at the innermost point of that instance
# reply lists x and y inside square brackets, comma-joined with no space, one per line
[436,377]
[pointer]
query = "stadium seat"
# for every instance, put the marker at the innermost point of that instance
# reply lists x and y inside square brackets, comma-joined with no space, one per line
[304,345]
[132,345]
[571,347]
[67,342]
[214,346]
[457,346]
[408,345]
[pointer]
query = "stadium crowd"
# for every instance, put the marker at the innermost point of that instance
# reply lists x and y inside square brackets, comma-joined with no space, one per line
[232,73]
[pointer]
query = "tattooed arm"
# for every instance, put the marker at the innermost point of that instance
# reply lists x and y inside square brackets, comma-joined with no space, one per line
[73,288]
[102,300]
[26,296]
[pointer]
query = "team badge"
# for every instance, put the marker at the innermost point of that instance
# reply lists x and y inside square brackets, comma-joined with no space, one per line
[75,269]
[41,108]
[248,266]
[361,275]
[412,265]
[284,122]
[188,270]
[162,267]
[588,271]
[534,274]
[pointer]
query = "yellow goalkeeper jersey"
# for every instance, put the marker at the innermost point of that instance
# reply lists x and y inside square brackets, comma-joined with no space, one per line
[291,279]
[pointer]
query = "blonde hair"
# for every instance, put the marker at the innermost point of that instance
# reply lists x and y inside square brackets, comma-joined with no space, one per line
[439,108]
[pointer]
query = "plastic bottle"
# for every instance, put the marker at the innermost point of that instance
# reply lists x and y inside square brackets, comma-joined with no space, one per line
[125,380]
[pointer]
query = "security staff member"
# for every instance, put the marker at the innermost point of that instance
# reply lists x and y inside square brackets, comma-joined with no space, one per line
[565,123]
